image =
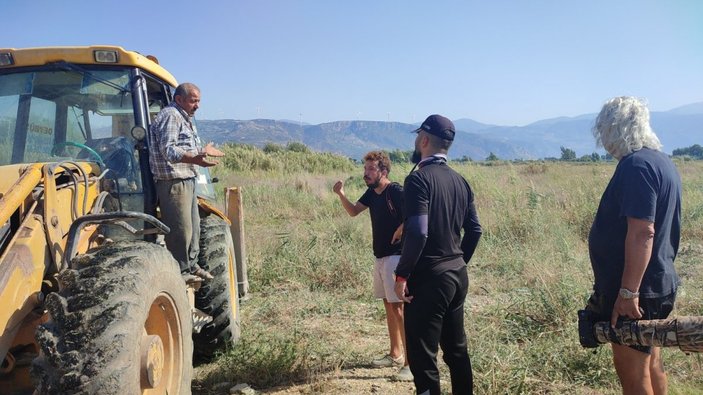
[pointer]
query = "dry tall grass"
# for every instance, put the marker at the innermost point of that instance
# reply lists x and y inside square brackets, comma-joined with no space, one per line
[311,311]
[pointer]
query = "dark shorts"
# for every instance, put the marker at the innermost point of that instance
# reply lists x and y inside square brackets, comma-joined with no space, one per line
[653,309]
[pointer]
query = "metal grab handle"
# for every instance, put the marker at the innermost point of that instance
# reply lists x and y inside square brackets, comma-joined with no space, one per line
[111,218]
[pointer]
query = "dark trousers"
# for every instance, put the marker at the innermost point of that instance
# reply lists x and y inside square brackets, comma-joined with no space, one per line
[435,317]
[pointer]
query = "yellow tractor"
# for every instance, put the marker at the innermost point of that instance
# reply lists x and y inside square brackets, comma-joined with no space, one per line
[92,302]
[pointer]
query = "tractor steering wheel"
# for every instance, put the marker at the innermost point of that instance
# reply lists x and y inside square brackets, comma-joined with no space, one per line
[57,146]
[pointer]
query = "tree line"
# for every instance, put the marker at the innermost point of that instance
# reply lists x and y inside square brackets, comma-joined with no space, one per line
[567,154]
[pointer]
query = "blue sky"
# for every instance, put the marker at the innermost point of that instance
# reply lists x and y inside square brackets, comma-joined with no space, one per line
[499,62]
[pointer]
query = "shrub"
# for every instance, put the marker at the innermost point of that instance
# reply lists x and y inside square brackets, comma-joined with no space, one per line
[272,147]
[297,158]
[297,147]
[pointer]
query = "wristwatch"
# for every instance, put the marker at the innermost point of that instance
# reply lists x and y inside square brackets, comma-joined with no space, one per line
[627,294]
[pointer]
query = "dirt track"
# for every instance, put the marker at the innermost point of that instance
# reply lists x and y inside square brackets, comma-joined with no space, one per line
[354,381]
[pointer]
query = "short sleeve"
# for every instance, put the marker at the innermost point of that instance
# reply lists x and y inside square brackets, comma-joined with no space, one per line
[365,199]
[639,192]
[396,194]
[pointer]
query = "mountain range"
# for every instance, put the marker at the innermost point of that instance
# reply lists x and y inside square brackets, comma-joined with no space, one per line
[677,128]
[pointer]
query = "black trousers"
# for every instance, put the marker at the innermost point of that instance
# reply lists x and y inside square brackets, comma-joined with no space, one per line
[435,317]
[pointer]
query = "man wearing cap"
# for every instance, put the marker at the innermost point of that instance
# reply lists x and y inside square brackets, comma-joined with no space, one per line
[431,277]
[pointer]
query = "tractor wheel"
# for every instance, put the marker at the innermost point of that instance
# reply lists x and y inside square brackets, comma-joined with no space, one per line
[120,324]
[219,297]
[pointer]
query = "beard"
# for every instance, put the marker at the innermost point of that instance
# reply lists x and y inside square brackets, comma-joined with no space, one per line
[416,158]
[372,184]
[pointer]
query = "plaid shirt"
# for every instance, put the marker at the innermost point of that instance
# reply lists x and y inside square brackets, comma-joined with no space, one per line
[172,134]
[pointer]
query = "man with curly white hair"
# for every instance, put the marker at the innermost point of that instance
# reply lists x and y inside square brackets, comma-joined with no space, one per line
[634,238]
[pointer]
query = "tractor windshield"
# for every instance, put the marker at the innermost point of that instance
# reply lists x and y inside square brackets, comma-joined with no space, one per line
[67,112]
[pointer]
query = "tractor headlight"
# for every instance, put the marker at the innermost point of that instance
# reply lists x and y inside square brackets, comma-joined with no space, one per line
[139,133]
[6,59]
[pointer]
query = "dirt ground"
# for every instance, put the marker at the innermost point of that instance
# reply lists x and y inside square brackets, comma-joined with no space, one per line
[354,381]
[351,381]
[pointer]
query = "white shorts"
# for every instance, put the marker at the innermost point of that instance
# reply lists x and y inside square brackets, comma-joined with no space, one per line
[384,278]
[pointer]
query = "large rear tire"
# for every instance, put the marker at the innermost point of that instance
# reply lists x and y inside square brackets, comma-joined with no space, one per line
[120,324]
[219,297]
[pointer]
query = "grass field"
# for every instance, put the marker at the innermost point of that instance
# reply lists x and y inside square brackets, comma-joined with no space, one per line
[310,315]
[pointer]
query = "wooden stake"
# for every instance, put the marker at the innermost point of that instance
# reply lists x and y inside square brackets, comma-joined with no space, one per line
[234,210]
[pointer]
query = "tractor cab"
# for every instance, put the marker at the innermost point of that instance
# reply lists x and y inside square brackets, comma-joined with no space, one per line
[88,104]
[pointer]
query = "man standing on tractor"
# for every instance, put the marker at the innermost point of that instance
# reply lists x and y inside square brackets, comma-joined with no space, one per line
[175,151]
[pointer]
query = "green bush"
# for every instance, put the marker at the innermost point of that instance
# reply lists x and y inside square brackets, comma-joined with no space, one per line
[271,148]
[262,359]
[297,147]
[297,158]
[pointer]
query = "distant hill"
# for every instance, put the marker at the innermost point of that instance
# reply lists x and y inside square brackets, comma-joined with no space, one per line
[695,108]
[469,125]
[677,128]
[350,138]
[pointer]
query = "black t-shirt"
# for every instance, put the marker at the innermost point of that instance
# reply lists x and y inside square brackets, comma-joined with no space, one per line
[384,222]
[647,186]
[439,192]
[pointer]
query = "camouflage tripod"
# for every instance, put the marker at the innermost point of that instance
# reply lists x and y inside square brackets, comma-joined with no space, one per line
[685,332]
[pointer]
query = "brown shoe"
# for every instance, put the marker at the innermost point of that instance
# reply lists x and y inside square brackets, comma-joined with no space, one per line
[204,274]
